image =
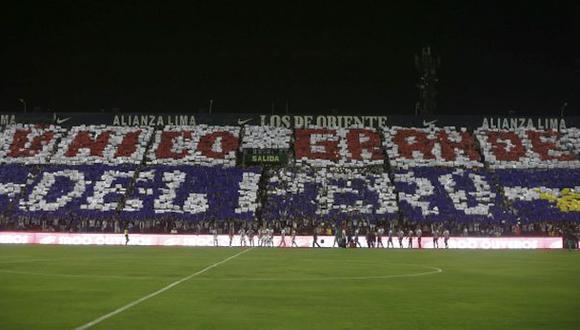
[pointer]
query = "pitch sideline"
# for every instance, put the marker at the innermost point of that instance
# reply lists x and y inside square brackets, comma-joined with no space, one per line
[151,295]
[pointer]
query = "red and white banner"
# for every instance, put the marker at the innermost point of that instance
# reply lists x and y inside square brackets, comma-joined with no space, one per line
[301,241]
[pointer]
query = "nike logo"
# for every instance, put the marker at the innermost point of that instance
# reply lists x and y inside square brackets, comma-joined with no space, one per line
[429,123]
[242,122]
[60,121]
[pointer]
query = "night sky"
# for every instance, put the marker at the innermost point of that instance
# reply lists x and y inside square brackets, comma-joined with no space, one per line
[521,57]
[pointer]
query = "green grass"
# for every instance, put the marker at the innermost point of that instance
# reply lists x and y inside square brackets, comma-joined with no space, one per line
[63,287]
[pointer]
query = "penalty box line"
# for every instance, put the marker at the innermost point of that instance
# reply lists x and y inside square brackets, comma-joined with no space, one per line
[151,295]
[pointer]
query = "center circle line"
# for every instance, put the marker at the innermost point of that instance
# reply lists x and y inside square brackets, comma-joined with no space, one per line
[434,270]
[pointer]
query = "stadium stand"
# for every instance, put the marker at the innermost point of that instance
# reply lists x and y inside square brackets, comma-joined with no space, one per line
[322,147]
[29,144]
[103,145]
[414,147]
[266,137]
[199,145]
[530,148]
[487,181]
[542,195]
[329,194]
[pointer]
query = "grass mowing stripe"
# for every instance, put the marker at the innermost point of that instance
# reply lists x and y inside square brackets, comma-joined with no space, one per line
[151,295]
[114,277]
[25,261]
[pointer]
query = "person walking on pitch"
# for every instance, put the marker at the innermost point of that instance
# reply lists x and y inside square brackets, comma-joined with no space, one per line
[380,233]
[282,238]
[126,236]
[215,236]
[315,237]
[390,239]
[401,236]
[231,234]
[250,234]
[242,234]
[294,238]
[419,234]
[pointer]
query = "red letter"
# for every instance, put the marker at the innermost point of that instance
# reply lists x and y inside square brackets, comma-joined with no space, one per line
[227,142]
[421,143]
[164,149]
[467,144]
[18,146]
[543,147]
[83,140]
[129,144]
[372,145]
[498,148]
[303,146]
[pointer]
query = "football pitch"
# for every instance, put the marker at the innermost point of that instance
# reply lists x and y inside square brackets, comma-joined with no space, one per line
[69,287]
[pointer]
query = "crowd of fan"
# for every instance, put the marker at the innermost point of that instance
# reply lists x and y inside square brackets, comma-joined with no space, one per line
[523,182]
[304,227]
